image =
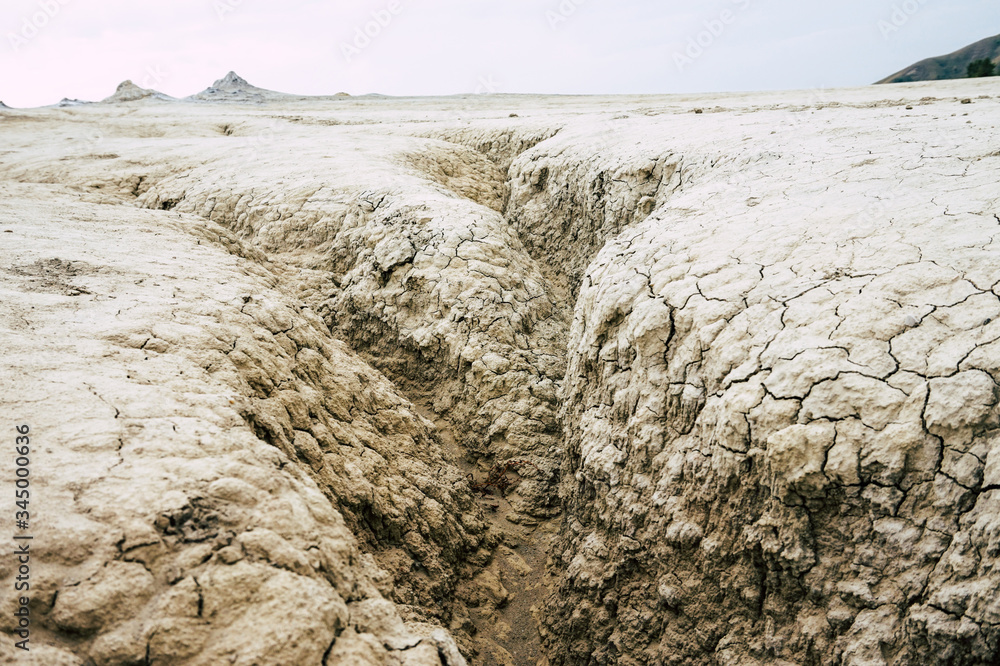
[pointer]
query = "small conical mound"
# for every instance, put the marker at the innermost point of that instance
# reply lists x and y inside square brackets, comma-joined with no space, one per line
[232,80]
[234,88]
[129,92]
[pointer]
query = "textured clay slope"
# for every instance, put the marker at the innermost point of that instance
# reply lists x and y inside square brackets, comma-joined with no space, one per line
[780,409]
[195,433]
[744,362]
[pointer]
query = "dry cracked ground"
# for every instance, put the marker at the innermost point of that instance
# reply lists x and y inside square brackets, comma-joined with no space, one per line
[507,380]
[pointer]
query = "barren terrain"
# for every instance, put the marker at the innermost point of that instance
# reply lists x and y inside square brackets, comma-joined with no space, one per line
[506,380]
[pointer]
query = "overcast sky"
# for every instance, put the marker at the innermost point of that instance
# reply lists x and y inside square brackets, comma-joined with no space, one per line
[52,49]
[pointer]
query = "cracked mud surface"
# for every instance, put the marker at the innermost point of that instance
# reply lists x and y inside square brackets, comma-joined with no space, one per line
[743,364]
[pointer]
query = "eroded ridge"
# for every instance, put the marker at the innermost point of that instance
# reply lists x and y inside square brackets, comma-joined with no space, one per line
[415,266]
[745,361]
[220,480]
[421,274]
[781,415]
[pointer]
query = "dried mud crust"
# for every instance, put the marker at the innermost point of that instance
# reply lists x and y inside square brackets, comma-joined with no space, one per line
[223,481]
[781,420]
[753,379]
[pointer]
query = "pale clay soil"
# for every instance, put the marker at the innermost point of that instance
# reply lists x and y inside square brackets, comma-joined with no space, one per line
[741,367]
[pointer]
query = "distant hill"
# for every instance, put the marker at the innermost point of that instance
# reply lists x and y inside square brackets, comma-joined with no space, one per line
[127,92]
[951,66]
[234,88]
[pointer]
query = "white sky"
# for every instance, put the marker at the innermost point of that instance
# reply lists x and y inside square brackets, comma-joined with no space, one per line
[50,49]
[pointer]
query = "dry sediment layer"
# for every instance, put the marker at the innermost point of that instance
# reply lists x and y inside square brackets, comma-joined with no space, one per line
[746,362]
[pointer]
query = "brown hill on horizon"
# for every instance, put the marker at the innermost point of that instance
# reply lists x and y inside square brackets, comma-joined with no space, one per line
[951,66]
